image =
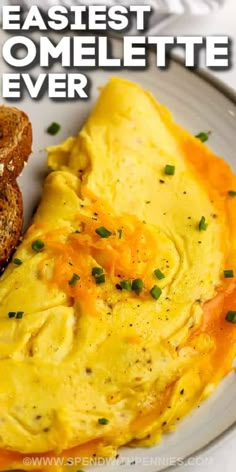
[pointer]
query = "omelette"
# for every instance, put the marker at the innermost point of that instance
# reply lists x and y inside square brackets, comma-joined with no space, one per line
[118,310]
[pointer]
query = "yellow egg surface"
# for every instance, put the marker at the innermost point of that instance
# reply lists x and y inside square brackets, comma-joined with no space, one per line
[112,324]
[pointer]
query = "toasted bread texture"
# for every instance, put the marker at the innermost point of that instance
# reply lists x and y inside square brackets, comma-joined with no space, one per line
[11,217]
[15,147]
[15,143]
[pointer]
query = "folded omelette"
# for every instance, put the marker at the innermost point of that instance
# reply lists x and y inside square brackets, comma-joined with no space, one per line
[118,311]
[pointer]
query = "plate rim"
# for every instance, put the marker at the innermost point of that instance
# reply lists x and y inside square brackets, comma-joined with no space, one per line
[222,437]
[230,94]
[209,78]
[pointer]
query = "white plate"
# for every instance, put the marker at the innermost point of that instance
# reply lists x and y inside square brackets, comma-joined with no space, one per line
[198,105]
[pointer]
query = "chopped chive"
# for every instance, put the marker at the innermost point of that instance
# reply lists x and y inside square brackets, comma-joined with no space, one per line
[53,128]
[232,193]
[103,421]
[119,231]
[169,170]
[126,285]
[38,245]
[228,274]
[155,292]
[231,316]
[77,232]
[15,314]
[97,271]
[74,279]
[103,232]
[17,261]
[137,286]
[202,224]
[159,274]
[100,279]
[202,136]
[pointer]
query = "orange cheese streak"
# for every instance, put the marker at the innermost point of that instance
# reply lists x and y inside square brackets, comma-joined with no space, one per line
[119,255]
[223,332]
[218,178]
[124,255]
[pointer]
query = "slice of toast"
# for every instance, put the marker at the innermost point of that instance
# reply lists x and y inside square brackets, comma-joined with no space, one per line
[15,143]
[15,147]
[11,217]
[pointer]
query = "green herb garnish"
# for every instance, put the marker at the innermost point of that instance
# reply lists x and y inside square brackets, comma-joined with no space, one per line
[54,128]
[15,314]
[103,421]
[126,285]
[74,279]
[96,271]
[17,261]
[169,170]
[232,193]
[119,231]
[202,136]
[159,274]
[103,232]
[155,292]
[231,316]
[202,224]
[38,245]
[137,286]
[100,279]
[228,274]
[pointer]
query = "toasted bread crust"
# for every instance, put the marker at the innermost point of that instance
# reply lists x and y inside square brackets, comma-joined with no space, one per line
[15,143]
[15,147]
[11,217]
